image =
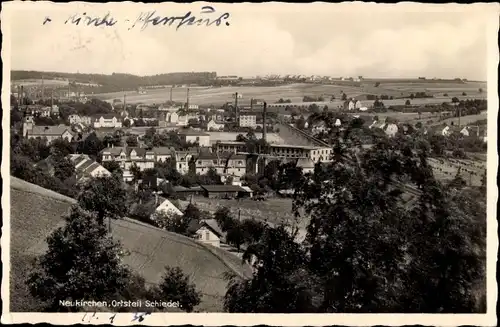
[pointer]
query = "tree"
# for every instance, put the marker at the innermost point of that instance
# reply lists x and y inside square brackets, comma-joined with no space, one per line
[113,167]
[464,94]
[300,123]
[368,249]
[480,90]
[63,167]
[235,235]
[132,141]
[252,230]
[407,103]
[91,145]
[136,172]
[171,222]
[418,125]
[126,123]
[278,274]
[61,147]
[344,97]
[81,262]
[377,84]
[224,218]
[175,286]
[104,196]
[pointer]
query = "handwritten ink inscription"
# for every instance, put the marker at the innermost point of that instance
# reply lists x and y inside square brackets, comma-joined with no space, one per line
[207,17]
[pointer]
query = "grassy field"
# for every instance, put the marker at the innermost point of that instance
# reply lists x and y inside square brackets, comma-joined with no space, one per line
[35,82]
[446,169]
[273,211]
[35,212]
[295,92]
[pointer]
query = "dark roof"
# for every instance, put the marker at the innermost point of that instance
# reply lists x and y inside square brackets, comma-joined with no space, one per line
[49,130]
[222,188]
[192,132]
[163,150]
[211,224]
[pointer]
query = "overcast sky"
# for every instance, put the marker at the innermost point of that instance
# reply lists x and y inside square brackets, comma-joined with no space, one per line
[336,40]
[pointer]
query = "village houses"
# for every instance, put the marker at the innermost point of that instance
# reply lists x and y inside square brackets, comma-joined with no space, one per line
[106,120]
[77,119]
[50,133]
[247,119]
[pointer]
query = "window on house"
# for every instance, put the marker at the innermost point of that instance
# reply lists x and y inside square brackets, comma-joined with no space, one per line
[199,162]
[180,166]
[214,161]
[207,235]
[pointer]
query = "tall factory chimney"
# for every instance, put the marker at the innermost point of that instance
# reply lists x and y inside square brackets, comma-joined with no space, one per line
[69,91]
[236,111]
[124,101]
[251,104]
[19,95]
[43,90]
[171,94]
[187,99]
[22,95]
[264,121]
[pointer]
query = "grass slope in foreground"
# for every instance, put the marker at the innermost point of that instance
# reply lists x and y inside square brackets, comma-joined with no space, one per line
[36,212]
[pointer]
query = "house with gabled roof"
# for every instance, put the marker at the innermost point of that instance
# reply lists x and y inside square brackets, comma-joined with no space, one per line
[86,168]
[127,157]
[50,133]
[106,120]
[207,231]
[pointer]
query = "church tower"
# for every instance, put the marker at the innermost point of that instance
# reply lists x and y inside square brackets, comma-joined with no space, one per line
[27,125]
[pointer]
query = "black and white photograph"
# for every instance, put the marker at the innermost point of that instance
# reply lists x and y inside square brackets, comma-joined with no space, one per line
[241,159]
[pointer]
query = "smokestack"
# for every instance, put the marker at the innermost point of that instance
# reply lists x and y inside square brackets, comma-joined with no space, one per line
[264,122]
[171,93]
[19,95]
[236,111]
[69,86]
[124,101]
[52,98]
[251,104]
[187,99]
[43,90]
[22,94]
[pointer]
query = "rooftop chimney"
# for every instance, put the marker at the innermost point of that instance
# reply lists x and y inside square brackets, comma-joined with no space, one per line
[264,122]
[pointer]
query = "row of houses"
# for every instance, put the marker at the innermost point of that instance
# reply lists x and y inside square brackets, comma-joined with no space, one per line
[226,164]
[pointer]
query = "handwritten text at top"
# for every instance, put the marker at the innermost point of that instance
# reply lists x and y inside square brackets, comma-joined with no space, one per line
[208,17]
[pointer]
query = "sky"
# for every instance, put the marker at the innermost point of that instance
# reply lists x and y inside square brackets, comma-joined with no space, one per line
[322,39]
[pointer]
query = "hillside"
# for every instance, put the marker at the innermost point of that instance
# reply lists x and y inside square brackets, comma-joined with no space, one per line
[35,212]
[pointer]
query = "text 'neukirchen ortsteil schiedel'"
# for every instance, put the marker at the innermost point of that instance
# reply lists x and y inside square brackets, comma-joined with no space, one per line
[208,17]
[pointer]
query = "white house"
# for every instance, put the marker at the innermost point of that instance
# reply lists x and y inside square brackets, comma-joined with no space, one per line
[446,131]
[465,131]
[351,105]
[338,122]
[391,129]
[86,168]
[207,231]
[107,120]
[190,135]
[247,120]
[212,125]
[358,105]
[167,208]
[76,119]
